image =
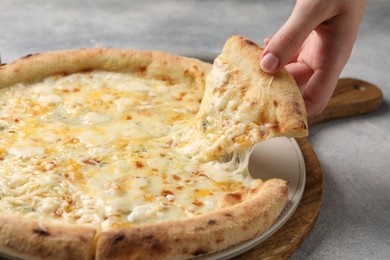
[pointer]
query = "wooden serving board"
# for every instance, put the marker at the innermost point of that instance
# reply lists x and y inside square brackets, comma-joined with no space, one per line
[351,97]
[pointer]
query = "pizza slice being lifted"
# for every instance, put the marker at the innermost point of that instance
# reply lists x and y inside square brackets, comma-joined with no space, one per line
[108,154]
[243,105]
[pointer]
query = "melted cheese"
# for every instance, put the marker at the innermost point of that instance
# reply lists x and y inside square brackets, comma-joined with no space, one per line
[225,122]
[97,148]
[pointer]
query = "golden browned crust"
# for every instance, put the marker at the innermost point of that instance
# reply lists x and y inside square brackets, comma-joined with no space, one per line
[33,239]
[282,103]
[199,235]
[149,64]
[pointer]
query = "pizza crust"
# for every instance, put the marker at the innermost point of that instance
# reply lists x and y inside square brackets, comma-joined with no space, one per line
[33,239]
[149,64]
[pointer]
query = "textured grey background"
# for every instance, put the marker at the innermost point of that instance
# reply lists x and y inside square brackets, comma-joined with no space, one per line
[354,222]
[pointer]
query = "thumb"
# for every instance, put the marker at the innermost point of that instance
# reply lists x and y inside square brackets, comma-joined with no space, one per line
[286,42]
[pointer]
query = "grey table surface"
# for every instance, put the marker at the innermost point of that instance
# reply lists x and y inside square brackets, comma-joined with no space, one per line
[354,222]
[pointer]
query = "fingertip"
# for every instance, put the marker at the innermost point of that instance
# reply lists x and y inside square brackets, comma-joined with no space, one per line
[269,62]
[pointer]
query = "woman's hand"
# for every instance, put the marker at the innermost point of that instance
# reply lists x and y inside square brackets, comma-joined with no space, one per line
[314,45]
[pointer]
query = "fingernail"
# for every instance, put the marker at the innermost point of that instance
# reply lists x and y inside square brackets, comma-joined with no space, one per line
[269,63]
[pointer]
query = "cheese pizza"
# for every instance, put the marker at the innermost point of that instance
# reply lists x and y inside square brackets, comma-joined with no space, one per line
[126,154]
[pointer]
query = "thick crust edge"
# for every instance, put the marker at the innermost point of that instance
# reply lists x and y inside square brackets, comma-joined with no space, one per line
[149,64]
[26,238]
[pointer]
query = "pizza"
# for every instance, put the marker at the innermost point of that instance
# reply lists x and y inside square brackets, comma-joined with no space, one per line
[127,154]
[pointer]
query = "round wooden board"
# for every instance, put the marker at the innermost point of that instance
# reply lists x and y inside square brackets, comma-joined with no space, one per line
[286,240]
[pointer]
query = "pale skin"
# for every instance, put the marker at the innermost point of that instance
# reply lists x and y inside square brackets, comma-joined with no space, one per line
[314,45]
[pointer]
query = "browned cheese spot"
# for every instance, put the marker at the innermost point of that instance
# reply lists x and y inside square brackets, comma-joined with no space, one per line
[243,90]
[220,90]
[197,203]
[275,102]
[139,164]
[199,173]
[166,192]
[16,120]
[92,162]
[175,177]
[181,96]
[167,79]
[163,175]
